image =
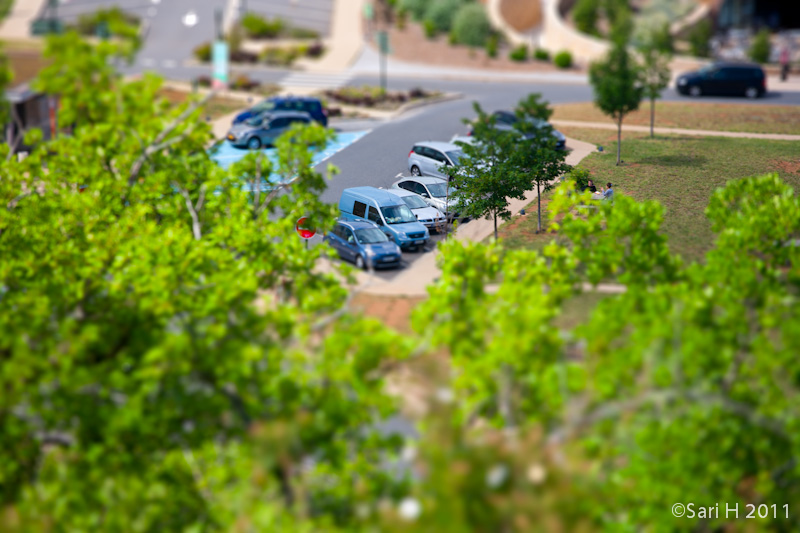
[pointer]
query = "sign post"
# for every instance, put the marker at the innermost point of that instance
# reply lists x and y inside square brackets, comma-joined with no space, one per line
[219,55]
[383,46]
[303,230]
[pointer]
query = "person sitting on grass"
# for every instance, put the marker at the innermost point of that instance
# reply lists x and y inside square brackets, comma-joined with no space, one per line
[590,187]
[608,194]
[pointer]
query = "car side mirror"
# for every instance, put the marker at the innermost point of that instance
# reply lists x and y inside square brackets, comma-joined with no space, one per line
[425,195]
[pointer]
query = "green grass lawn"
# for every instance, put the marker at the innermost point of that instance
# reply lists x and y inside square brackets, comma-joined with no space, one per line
[697,116]
[681,172]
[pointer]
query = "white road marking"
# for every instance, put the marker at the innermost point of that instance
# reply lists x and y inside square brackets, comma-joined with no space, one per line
[169,63]
[148,62]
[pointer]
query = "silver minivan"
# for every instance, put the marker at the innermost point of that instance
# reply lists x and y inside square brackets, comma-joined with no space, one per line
[426,158]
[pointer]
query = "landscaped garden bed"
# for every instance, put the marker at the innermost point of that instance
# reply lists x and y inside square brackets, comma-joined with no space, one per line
[378,98]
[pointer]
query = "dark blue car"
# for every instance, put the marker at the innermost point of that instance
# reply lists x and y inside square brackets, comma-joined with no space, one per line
[363,243]
[307,104]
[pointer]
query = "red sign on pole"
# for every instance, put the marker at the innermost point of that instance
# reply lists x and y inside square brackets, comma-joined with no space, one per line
[304,232]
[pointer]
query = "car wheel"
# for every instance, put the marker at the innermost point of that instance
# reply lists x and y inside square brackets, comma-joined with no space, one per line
[360,263]
[254,143]
[695,91]
[751,92]
[415,171]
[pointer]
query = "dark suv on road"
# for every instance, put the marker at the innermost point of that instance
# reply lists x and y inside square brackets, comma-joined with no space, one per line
[303,104]
[724,79]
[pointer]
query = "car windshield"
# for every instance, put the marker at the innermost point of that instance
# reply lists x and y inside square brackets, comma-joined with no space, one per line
[438,190]
[263,106]
[455,156]
[707,69]
[398,214]
[414,202]
[370,236]
[253,121]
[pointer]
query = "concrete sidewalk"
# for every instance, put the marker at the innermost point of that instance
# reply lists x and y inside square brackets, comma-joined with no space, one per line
[17,24]
[414,280]
[677,131]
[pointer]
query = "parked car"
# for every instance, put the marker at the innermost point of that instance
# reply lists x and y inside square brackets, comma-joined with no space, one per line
[305,104]
[364,244]
[263,130]
[724,79]
[432,218]
[386,210]
[426,158]
[505,120]
[434,191]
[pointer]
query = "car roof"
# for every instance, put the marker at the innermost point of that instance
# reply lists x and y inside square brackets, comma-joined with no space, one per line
[286,114]
[403,192]
[357,224]
[381,196]
[426,180]
[736,64]
[293,98]
[439,145]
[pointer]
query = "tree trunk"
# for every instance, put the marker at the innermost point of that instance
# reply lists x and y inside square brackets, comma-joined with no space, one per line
[539,207]
[494,215]
[652,116]
[619,139]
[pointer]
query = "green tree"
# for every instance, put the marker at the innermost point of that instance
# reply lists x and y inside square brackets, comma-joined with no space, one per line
[760,48]
[655,74]
[682,387]
[585,14]
[7,113]
[700,38]
[169,357]
[505,161]
[471,25]
[616,80]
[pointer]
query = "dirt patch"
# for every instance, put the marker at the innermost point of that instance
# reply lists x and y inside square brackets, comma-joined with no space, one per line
[393,311]
[410,44]
[790,167]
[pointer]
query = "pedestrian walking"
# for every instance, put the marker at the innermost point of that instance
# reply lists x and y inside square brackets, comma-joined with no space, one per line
[784,60]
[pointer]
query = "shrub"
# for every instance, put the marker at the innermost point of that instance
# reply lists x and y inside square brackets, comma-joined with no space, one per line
[417,92]
[541,54]
[402,19]
[235,37]
[315,50]
[491,45]
[471,25]
[430,28]
[584,14]
[303,33]
[661,39]
[699,38]
[282,57]
[520,53]
[451,38]
[563,59]
[243,83]
[89,23]
[257,26]
[203,81]
[760,47]
[441,13]
[203,52]
[417,8]
[580,176]
[241,56]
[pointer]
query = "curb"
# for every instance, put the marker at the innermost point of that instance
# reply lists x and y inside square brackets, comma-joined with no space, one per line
[446,97]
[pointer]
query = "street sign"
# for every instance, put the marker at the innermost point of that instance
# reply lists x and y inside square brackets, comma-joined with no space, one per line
[220,58]
[302,230]
[383,41]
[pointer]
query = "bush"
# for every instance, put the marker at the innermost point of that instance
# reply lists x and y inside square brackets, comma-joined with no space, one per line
[244,83]
[259,27]
[235,37]
[241,56]
[402,19]
[451,38]
[520,53]
[303,33]
[584,14]
[580,176]
[203,81]
[441,13]
[760,47]
[417,8]
[699,38]
[541,54]
[282,57]
[89,23]
[430,28]
[315,50]
[491,45]
[471,25]
[203,52]
[661,39]
[563,59]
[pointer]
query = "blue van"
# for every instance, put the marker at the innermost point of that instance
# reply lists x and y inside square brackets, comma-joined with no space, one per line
[305,104]
[386,210]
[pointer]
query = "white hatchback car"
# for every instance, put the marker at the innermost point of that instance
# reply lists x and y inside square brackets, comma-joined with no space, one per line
[432,218]
[434,191]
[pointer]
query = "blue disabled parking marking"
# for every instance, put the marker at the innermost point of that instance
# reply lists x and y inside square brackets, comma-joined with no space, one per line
[225,154]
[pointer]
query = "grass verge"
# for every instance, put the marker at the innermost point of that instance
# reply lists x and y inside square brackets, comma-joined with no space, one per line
[718,117]
[218,106]
[681,172]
